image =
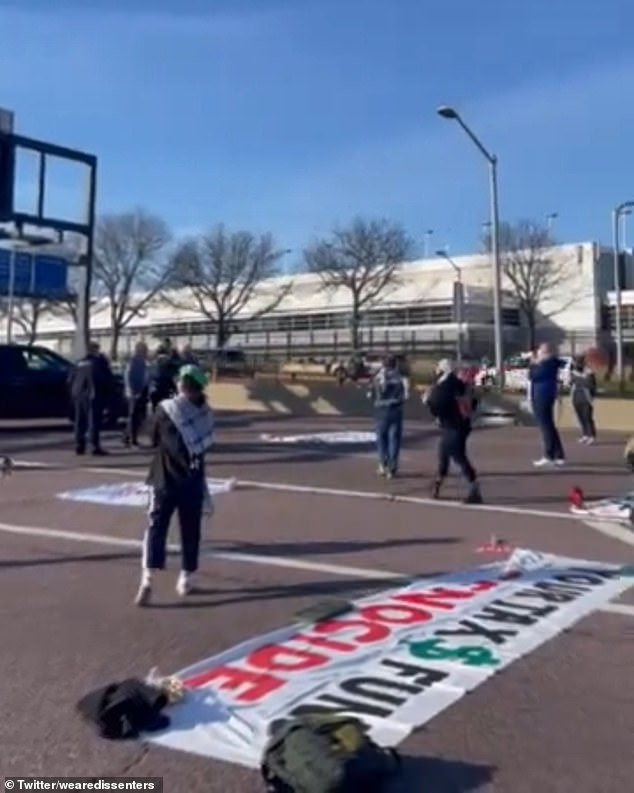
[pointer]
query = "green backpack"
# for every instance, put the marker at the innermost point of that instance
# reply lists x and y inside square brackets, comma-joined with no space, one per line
[326,754]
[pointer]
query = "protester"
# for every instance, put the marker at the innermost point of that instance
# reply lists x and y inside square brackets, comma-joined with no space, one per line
[136,379]
[389,391]
[91,385]
[544,389]
[451,404]
[182,434]
[583,389]
[163,373]
[187,356]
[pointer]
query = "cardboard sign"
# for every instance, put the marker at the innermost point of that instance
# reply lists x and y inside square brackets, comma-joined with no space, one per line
[395,660]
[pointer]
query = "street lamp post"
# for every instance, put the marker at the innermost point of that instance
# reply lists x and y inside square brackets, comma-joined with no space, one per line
[550,221]
[428,235]
[617,215]
[450,113]
[458,301]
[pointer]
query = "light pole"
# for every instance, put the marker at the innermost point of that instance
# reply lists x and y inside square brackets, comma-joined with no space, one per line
[550,221]
[428,235]
[450,113]
[623,230]
[617,215]
[458,301]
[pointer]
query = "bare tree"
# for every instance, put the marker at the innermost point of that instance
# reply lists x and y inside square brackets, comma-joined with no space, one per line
[365,258]
[526,251]
[130,265]
[222,272]
[27,313]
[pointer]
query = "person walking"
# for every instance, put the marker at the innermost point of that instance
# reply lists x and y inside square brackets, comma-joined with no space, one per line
[544,390]
[136,377]
[451,403]
[389,392]
[583,389]
[182,434]
[91,384]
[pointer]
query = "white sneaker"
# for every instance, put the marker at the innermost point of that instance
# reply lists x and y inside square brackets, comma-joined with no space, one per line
[183,586]
[582,439]
[560,463]
[589,441]
[543,462]
[144,595]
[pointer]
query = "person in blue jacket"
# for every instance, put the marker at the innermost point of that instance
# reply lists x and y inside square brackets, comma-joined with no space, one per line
[544,388]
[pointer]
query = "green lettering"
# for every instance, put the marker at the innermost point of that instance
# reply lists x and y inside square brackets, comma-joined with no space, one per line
[434,650]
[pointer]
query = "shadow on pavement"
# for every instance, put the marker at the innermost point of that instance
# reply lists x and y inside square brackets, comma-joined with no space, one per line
[91,557]
[441,776]
[327,547]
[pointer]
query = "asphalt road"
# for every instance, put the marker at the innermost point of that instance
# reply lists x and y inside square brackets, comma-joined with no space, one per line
[558,720]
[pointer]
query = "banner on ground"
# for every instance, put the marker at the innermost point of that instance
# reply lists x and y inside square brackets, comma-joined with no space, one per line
[395,660]
[132,494]
[326,438]
[618,509]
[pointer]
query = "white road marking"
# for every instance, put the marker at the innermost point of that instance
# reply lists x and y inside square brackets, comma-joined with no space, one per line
[229,556]
[625,609]
[362,494]
[610,529]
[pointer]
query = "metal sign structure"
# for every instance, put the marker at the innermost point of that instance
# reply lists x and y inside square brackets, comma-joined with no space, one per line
[40,270]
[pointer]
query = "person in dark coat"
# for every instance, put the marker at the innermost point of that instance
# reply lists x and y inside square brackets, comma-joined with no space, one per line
[163,371]
[183,432]
[583,389]
[136,380]
[451,404]
[544,390]
[91,384]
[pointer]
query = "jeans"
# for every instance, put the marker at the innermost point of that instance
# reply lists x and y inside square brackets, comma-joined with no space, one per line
[88,421]
[453,446]
[585,417]
[389,434]
[187,500]
[544,410]
[137,407]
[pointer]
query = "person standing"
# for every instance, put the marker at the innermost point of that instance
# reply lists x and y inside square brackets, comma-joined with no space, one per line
[451,403]
[544,390]
[136,376]
[389,391]
[583,389]
[91,387]
[162,375]
[182,434]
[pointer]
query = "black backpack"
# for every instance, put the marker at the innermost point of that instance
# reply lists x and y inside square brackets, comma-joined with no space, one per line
[326,754]
[123,710]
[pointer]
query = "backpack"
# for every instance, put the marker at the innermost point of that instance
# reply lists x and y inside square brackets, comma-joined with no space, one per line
[123,710]
[326,754]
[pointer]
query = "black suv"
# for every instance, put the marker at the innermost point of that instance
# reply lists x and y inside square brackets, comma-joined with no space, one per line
[34,384]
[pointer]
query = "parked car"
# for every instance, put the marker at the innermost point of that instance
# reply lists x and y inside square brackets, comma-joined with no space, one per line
[34,384]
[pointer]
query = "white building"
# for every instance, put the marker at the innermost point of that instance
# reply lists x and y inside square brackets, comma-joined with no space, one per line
[417,313]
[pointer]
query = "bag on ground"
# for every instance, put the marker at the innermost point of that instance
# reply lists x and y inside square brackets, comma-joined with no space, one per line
[326,754]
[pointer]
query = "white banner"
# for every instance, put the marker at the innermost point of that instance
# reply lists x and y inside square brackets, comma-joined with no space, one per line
[395,660]
[329,438]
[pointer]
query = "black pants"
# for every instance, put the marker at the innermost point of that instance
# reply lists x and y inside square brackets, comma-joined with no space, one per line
[88,421]
[544,416]
[585,417]
[137,409]
[187,500]
[453,446]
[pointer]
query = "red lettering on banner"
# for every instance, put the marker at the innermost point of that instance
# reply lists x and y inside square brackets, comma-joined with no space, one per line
[280,658]
[326,644]
[232,678]
[440,598]
[483,586]
[385,612]
[370,632]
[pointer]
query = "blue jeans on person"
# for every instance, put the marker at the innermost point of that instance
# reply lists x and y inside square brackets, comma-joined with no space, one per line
[544,412]
[88,421]
[389,434]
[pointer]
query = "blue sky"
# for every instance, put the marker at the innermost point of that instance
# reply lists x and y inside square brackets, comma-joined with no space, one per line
[294,116]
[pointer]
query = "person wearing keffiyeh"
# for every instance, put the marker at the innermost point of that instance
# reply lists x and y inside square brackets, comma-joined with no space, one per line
[183,432]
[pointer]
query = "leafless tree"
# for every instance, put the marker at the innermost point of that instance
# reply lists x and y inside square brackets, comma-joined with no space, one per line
[130,265]
[365,258]
[27,313]
[526,251]
[222,272]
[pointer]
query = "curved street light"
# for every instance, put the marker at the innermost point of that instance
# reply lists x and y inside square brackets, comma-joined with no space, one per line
[451,114]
